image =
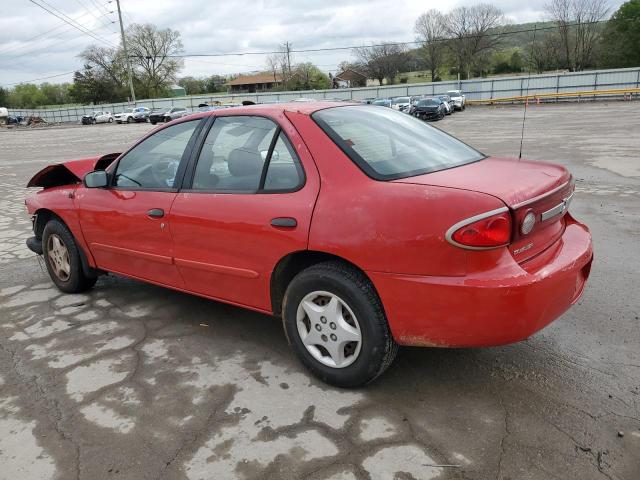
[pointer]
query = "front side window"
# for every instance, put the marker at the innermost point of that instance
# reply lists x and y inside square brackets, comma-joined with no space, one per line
[237,156]
[154,162]
[387,144]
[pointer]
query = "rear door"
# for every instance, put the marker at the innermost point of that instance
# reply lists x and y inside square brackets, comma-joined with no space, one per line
[127,225]
[249,203]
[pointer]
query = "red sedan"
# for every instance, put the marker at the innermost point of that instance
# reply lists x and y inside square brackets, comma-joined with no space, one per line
[362,227]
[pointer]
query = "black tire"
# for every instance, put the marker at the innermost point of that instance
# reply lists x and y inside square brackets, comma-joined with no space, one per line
[378,348]
[77,281]
[129,119]
[110,120]
[152,123]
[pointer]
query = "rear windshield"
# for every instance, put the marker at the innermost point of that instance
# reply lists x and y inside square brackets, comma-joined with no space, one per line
[428,103]
[387,144]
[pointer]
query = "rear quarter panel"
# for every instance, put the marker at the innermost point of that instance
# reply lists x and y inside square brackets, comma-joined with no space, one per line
[385,226]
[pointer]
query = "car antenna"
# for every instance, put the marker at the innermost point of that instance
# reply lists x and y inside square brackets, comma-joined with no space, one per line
[526,98]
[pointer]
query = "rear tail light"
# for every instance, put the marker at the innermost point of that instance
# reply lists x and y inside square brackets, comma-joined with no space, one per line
[484,231]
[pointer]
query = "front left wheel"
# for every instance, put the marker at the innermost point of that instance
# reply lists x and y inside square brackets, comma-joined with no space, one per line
[62,258]
[335,322]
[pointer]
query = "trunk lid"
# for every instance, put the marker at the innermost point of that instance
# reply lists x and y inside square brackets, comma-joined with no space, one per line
[544,189]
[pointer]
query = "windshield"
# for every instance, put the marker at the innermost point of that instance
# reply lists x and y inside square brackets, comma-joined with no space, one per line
[387,144]
[428,103]
[453,93]
[401,100]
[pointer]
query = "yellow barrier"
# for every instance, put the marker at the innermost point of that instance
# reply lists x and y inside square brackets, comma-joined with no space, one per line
[540,96]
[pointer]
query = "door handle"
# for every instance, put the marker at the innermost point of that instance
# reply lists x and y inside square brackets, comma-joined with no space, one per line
[156,213]
[286,222]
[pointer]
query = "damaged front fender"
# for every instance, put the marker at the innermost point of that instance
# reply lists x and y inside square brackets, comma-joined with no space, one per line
[71,172]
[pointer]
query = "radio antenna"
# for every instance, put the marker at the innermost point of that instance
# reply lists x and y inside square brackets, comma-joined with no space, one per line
[526,98]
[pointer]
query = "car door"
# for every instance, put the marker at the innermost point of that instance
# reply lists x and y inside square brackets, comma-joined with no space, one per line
[247,202]
[126,225]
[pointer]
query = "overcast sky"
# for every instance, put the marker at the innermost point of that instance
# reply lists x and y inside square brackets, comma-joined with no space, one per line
[216,26]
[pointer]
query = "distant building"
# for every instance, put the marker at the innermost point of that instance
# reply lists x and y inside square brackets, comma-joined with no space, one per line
[254,83]
[177,91]
[349,78]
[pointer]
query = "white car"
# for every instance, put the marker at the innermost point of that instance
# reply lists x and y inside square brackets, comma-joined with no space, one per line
[97,117]
[458,98]
[127,115]
[401,103]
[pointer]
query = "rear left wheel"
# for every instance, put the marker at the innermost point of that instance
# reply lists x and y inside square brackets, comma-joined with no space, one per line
[335,323]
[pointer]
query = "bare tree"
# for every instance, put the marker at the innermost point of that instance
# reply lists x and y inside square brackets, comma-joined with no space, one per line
[577,22]
[545,53]
[430,29]
[273,63]
[110,62]
[152,52]
[470,32]
[382,61]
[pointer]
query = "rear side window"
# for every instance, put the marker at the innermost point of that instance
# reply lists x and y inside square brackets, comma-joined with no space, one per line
[246,154]
[387,144]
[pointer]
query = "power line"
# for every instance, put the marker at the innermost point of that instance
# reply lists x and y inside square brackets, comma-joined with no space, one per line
[41,78]
[353,47]
[75,25]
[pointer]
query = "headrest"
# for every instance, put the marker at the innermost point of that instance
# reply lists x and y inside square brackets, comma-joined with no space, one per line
[242,163]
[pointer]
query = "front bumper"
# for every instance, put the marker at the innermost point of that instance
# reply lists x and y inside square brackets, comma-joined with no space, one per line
[502,305]
[35,245]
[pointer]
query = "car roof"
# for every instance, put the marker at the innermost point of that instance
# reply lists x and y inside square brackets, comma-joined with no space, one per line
[304,108]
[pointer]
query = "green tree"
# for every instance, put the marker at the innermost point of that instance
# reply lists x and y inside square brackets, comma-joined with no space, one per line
[621,39]
[306,76]
[4,97]
[26,95]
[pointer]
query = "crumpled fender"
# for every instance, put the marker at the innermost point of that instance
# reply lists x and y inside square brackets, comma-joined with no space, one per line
[71,172]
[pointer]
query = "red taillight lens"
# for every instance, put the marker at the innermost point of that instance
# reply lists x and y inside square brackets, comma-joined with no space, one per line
[492,231]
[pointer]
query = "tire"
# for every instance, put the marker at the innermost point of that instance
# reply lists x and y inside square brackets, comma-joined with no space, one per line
[129,120]
[110,120]
[153,123]
[360,307]
[463,107]
[74,281]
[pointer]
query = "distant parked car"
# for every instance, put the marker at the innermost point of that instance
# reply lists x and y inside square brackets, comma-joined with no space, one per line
[448,103]
[401,104]
[429,109]
[383,102]
[458,98]
[128,114]
[167,115]
[97,117]
[141,115]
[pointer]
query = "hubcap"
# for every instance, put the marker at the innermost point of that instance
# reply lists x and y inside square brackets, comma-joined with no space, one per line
[59,257]
[329,329]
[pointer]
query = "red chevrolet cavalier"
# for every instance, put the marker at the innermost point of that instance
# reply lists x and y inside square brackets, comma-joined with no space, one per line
[362,227]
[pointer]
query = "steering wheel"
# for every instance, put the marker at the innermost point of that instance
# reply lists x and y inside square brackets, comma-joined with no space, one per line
[164,170]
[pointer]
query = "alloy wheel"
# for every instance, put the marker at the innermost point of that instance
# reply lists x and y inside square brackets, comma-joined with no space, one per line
[59,257]
[329,329]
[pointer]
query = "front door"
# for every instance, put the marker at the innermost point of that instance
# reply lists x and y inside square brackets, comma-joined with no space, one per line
[127,225]
[248,205]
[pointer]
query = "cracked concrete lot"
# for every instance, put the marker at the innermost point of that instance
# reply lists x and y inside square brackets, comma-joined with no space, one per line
[132,381]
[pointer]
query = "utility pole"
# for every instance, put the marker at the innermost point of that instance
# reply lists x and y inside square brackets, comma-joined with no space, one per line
[288,47]
[126,54]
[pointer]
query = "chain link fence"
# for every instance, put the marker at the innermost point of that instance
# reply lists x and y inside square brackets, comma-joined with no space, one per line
[474,89]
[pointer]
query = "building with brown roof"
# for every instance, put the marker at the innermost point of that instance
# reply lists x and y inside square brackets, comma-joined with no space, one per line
[254,83]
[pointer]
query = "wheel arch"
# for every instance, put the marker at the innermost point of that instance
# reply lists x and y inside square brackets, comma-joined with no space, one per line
[43,216]
[292,264]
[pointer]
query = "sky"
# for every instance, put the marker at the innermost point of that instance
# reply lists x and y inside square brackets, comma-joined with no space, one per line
[35,44]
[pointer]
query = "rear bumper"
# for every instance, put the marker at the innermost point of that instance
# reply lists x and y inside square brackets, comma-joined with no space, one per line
[493,307]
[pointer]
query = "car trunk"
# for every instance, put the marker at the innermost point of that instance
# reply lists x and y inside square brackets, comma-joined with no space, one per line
[542,188]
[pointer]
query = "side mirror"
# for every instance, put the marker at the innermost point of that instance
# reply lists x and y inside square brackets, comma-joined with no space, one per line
[96,179]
